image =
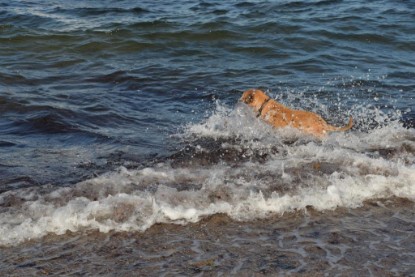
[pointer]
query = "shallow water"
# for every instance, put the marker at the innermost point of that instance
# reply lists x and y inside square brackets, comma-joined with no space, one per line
[123,147]
[374,240]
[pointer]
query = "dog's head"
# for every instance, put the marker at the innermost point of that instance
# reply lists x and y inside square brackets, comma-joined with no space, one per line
[254,98]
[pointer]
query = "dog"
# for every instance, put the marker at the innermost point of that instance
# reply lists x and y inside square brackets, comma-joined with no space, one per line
[281,116]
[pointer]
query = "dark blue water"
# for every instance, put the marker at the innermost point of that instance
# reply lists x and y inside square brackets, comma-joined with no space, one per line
[87,88]
[86,84]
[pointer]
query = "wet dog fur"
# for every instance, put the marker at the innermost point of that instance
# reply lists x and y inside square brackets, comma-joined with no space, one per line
[281,116]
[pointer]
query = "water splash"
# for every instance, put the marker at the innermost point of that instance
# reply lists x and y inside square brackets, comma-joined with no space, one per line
[234,164]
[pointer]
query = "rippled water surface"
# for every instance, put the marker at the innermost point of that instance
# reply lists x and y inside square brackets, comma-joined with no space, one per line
[123,147]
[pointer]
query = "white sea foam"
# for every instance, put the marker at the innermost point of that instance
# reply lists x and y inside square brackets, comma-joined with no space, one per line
[292,173]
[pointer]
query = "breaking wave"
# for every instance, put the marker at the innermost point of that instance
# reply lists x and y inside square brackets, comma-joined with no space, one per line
[233,164]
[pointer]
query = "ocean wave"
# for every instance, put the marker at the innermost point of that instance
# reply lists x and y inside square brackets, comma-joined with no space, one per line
[233,164]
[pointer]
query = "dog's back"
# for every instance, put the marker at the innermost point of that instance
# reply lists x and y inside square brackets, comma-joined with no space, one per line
[281,116]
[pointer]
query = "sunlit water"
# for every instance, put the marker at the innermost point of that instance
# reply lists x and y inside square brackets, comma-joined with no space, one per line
[124,147]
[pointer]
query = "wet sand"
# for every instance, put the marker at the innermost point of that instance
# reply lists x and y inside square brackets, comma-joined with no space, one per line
[374,240]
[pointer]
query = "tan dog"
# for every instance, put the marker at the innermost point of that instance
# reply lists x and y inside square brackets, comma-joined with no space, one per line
[279,115]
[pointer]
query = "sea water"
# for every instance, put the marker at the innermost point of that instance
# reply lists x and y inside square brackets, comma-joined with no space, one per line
[124,147]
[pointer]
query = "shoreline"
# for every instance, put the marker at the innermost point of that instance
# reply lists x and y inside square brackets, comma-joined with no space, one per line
[373,239]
